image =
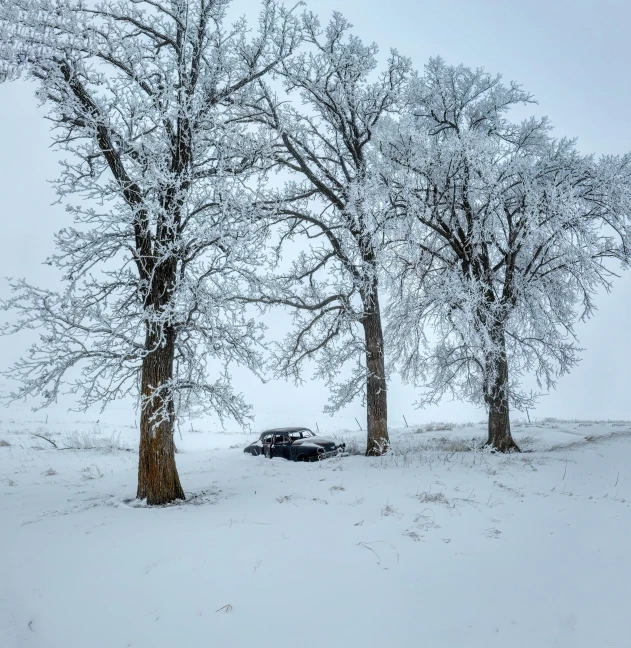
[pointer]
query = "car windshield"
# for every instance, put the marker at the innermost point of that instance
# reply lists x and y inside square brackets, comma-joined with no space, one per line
[307,433]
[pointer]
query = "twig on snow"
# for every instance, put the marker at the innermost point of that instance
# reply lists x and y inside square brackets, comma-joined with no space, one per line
[40,436]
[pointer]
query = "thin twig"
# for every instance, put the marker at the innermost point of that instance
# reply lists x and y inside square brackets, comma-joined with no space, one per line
[363,544]
[45,439]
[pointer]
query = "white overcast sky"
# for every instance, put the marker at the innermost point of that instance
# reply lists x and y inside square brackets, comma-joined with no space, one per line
[571,54]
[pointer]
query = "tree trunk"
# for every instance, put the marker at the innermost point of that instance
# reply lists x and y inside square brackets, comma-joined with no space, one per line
[158,480]
[496,396]
[376,393]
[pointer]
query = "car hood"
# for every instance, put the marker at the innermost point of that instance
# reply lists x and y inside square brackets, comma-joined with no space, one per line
[316,440]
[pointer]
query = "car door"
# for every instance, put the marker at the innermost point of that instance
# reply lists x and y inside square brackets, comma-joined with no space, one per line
[267,445]
[294,450]
[281,446]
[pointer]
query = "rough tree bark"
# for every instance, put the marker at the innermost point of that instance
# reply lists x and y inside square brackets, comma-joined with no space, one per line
[158,479]
[376,389]
[496,397]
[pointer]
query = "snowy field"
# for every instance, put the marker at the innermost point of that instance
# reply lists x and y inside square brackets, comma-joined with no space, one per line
[440,544]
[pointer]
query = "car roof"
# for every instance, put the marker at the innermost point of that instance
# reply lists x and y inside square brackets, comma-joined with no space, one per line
[285,430]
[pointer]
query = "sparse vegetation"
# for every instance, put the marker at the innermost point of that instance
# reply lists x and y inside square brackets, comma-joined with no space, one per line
[77,440]
[437,427]
[433,498]
[91,472]
[413,535]
[354,445]
[425,520]
[389,510]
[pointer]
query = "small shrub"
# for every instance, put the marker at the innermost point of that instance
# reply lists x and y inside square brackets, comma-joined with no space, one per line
[50,473]
[4,444]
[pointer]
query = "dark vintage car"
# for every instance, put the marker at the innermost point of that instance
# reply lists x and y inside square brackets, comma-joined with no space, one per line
[295,444]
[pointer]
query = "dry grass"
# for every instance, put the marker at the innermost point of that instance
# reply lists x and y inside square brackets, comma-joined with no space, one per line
[91,472]
[93,441]
[388,511]
[436,427]
[493,533]
[433,498]
[449,444]
[354,446]
[425,520]
[590,438]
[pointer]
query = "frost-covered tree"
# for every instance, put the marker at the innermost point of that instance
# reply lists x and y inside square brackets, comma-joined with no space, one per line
[144,97]
[505,234]
[321,142]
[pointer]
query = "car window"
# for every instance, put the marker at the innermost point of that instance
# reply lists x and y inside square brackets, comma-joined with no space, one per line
[280,438]
[267,438]
[295,435]
[307,433]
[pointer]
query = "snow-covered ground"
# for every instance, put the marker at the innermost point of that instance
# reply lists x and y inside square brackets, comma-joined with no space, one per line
[440,544]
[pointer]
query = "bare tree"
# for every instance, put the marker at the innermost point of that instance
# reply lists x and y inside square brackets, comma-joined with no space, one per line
[321,146]
[505,234]
[145,98]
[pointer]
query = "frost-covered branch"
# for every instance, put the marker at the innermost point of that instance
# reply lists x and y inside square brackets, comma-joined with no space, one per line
[147,101]
[505,235]
[322,148]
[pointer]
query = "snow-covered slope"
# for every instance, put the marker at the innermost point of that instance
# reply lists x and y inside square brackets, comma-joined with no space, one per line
[440,544]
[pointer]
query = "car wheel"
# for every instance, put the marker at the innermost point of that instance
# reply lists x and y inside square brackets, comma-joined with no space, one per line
[301,458]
